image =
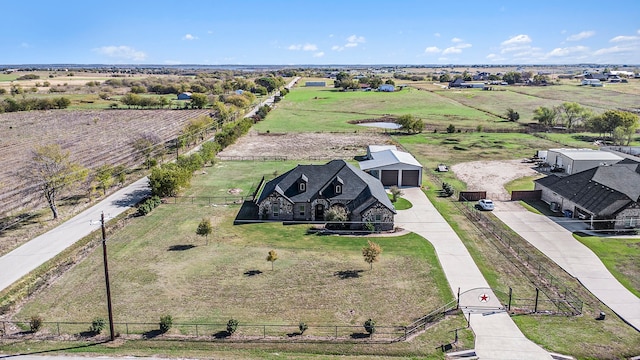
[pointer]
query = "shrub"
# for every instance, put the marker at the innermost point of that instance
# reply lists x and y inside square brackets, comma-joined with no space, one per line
[97,325]
[370,326]
[35,323]
[369,227]
[166,322]
[395,192]
[232,326]
[148,205]
[302,327]
[451,129]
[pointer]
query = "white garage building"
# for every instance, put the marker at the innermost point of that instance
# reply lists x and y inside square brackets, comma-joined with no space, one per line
[391,166]
[576,160]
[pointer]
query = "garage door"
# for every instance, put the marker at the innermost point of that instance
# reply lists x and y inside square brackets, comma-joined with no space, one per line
[410,177]
[389,177]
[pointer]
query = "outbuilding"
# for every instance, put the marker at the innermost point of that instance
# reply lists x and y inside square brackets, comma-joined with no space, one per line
[571,161]
[184,96]
[392,167]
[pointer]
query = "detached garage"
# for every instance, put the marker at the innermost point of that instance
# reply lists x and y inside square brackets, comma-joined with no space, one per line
[392,167]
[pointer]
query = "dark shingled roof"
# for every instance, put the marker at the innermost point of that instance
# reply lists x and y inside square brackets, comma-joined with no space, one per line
[603,190]
[359,189]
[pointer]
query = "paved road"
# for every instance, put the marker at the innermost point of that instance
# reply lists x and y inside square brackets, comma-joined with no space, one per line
[556,242]
[36,252]
[497,336]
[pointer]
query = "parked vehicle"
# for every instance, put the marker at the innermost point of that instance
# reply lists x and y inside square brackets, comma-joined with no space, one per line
[485,204]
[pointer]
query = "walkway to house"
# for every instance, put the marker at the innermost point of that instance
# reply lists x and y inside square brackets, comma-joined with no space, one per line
[497,336]
[36,252]
[557,243]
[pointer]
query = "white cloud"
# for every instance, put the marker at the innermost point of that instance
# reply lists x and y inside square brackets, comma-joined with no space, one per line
[623,38]
[121,52]
[568,51]
[209,32]
[451,50]
[614,50]
[356,39]
[318,54]
[517,40]
[189,37]
[463,46]
[456,40]
[305,47]
[432,50]
[437,35]
[25,45]
[581,36]
[348,45]
[352,41]
[337,48]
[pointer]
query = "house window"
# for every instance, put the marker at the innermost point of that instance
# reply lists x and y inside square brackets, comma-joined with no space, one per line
[302,210]
[275,209]
[302,187]
[378,218]
[630,222]
[338,189]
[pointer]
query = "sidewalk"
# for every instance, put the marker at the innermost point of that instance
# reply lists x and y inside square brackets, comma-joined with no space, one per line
[497,336]
[36,252]
[559,245]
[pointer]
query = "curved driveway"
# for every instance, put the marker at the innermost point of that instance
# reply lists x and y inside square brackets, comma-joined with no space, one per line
[558,244]
[497,336]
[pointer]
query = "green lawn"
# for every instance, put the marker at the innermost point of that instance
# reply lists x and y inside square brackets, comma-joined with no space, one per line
[620,256]
[525,183]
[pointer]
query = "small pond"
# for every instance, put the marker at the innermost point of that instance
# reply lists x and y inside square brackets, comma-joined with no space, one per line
[383,125]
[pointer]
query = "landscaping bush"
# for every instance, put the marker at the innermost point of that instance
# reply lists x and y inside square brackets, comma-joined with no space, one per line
[166,322]
[370,326]
[97,325]
[148,205]
[232,326]
[302,327]
[35,323]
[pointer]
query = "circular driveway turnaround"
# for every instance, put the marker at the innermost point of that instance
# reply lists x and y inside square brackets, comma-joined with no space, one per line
[36,252]
[497,336]
[559,245]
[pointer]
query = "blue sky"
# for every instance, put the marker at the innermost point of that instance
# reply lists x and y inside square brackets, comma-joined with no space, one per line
[320,32]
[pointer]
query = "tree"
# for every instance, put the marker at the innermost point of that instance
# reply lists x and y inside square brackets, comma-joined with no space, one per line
[104,177]
[512,115]
[411,124]
[52,171]
[545,116]
[146,144]
[272,257]
[445,78]
[370,327]
[512,77]
[395,192]
[199,101]
[622,125]
[572,114]
[169,179]
[371,252]
[451,129]
[204,229]
[390,82]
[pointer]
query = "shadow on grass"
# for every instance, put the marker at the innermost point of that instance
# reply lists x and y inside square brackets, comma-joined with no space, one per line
[55,350]
[152,334]
[360,336]
[221,334]
[348,274]
[180,247]
[252,272]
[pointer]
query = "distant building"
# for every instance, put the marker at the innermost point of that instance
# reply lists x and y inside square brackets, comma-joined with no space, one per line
[386,88]
[184,96]
[571,161]
[592,82]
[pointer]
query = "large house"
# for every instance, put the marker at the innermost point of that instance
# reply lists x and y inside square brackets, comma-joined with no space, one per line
[306,192]
[606,197]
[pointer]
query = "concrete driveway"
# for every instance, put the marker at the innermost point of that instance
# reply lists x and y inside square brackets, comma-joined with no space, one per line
[497,336]
[558,244]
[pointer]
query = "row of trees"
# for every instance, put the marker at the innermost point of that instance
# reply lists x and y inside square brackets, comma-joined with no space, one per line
[346,81]
[27,104]
[620,125]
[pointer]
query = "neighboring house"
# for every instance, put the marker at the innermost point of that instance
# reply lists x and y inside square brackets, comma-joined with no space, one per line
[456,83]
[316,83]
[596,76]
[307,191]
[386,88]
[571,161]
[592,82]
[605,197]
[184,96]
[392,167]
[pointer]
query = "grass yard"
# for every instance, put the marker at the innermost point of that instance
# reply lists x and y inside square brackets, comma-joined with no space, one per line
[158,265]
[525,183]
[328,109]
[620,256]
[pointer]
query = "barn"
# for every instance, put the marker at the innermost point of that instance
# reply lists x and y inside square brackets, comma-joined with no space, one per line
[184,96]
[392,167]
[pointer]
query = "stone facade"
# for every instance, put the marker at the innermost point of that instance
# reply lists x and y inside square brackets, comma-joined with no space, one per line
[628,218]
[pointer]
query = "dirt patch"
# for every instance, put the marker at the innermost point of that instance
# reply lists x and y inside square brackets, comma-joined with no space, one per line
[304,146]
[491,176]
[234,191]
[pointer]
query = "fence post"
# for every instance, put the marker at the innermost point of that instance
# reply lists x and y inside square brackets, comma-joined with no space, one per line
[197,330]
[509,305]
[336,331]
[458,301]
[264,331]
[127,327]
[535,307]
[58,325]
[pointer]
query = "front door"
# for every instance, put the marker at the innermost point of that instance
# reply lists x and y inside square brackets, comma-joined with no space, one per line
[319,212]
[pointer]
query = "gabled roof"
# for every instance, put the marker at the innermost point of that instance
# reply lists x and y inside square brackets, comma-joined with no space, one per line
[358,187]
[587,154]
[388,157]
[602,190]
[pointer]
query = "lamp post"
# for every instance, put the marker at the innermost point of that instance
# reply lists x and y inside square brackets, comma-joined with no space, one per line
[106,277]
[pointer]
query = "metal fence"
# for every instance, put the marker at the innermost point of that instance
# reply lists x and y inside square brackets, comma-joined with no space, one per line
[561,299]
[424,322]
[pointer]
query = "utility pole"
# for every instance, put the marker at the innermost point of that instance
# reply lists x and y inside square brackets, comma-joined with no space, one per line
[106,277]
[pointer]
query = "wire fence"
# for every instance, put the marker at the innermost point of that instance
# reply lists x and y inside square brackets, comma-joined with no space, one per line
[561,299]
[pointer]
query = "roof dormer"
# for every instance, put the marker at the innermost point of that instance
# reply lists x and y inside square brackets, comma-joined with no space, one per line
[338,184]
[302,183]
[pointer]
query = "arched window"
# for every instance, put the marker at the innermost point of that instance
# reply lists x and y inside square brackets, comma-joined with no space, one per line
[302,186]
[338,189]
